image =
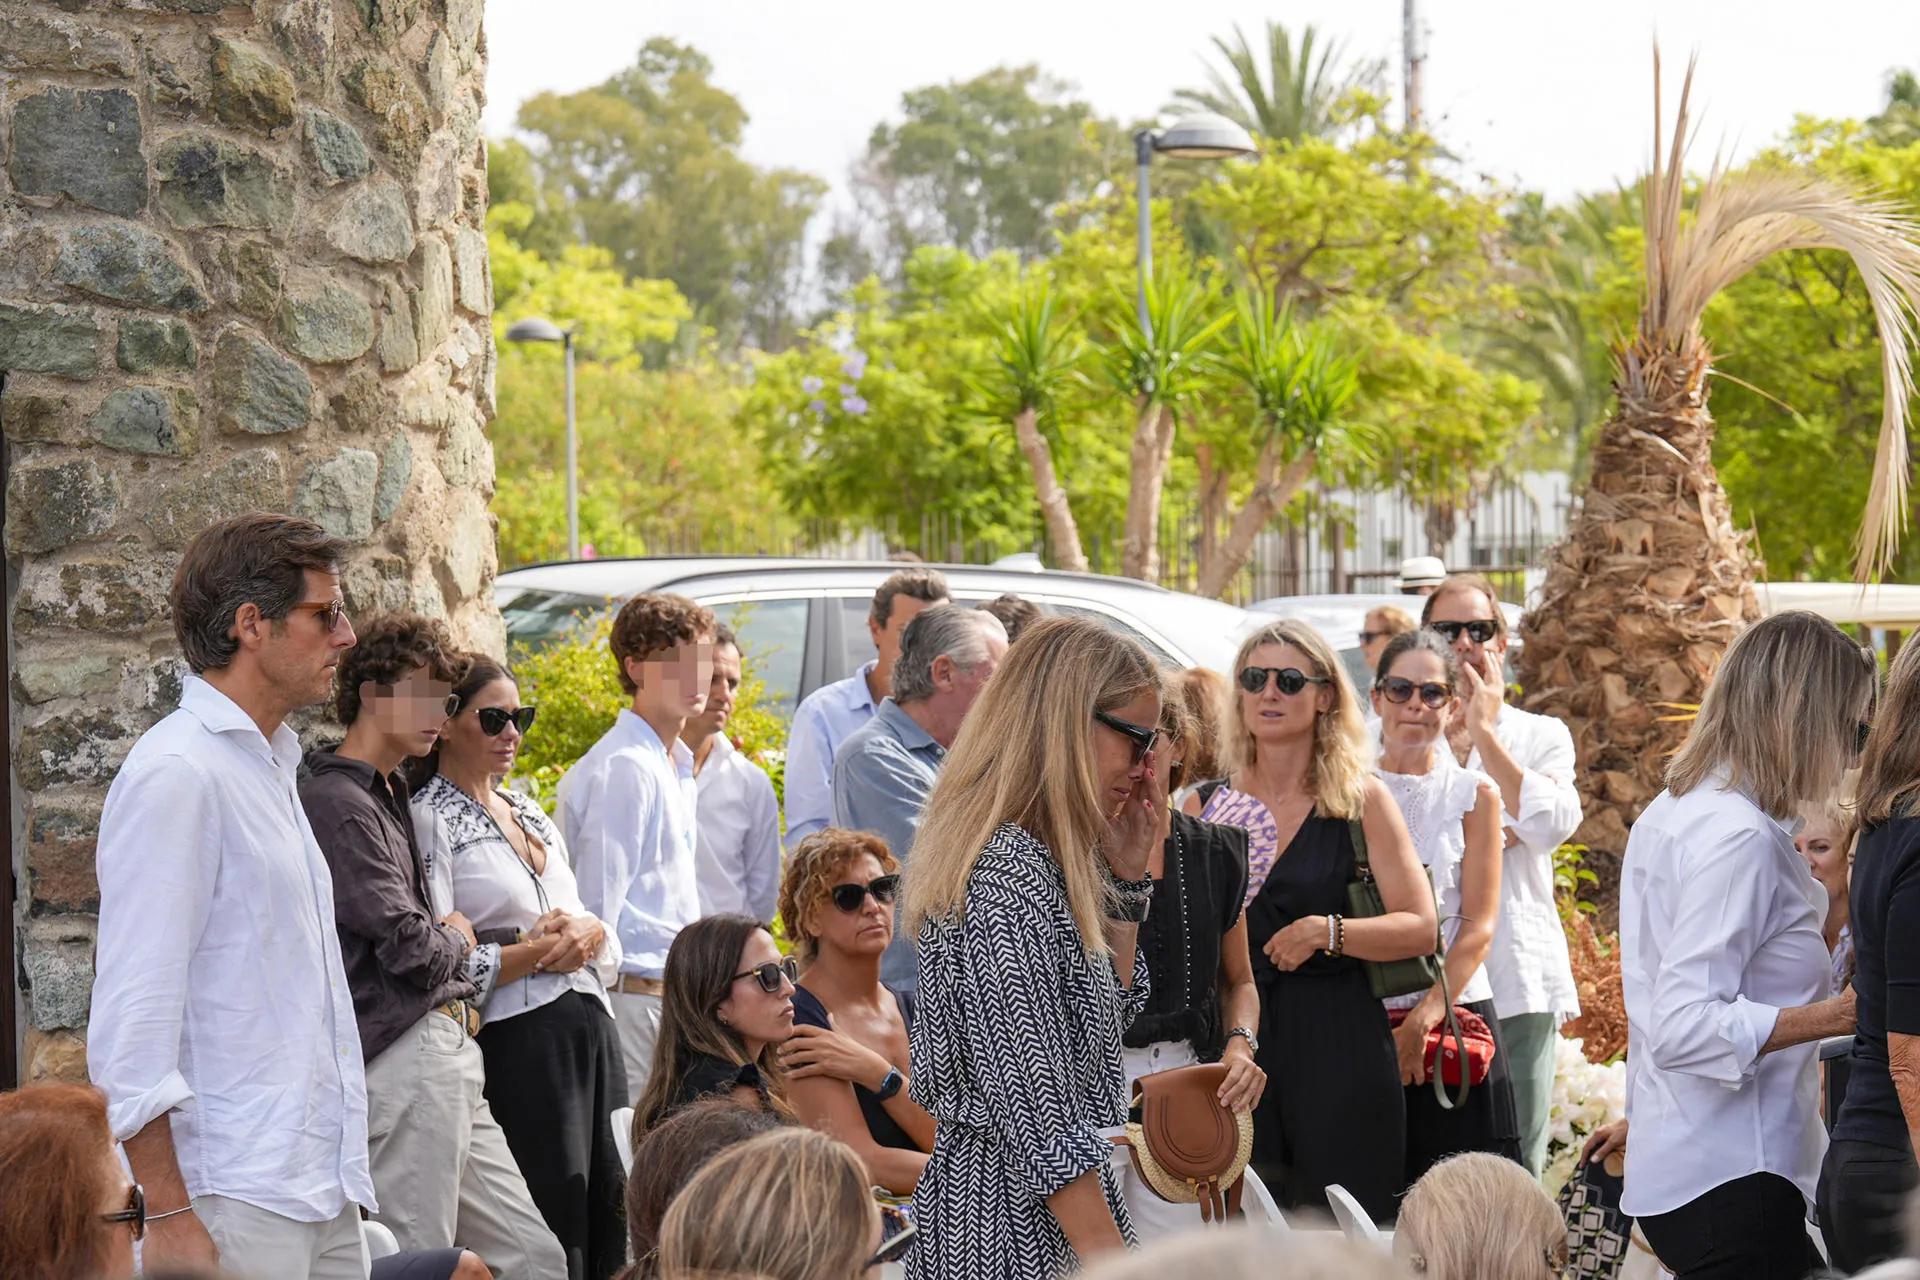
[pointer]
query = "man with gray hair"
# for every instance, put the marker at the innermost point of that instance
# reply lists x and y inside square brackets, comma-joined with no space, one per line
[884,772]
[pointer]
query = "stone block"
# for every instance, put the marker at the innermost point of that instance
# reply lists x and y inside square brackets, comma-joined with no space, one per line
[331,326]
[58,43]
[126,263]
[58,960]
[467,561]
[388,94]
[433,305]
[399,348]
[84,144]
[259,391]
[361,404]
[388,20]
[49,340]
[94,595]
[84,747]
[60,844]
[303,30]
[27,417]
[338,494]
[146,345]
[161,686]
[373,225]
[210,182]
[52,505]
[436,183]
[42,676]
[396,469]
[148,420]
[56,1057]
[463,25]
[249,88]
[376,585]
[463,351]
[472,283]
[255,480]
[336,148]
[171,87]
[251,278]
[462,452]
[443,73]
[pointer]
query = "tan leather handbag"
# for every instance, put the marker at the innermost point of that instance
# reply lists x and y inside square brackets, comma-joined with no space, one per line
[1187,1146]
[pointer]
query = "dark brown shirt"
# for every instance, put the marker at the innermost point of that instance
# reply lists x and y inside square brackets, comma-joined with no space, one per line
[400,962]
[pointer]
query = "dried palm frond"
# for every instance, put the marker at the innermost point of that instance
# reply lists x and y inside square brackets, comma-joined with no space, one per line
[1740,220]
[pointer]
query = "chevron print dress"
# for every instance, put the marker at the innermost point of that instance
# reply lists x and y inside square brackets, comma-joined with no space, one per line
[1016,1055]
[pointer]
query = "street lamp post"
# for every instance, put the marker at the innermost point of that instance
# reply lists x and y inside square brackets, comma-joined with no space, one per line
[1203,135]
[537,329]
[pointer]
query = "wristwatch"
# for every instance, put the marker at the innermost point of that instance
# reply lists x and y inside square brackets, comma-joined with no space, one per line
[1245,1033]
[891,1085]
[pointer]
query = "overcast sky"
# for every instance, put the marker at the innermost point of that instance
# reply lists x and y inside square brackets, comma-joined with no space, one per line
[1553,95]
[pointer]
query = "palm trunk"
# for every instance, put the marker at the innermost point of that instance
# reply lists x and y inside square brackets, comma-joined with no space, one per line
[1272,489]
[1151,454]
[1213,483]
[1054,506]
[1651,584]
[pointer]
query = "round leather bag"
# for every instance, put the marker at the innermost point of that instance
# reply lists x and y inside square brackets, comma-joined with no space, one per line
[1187,1146]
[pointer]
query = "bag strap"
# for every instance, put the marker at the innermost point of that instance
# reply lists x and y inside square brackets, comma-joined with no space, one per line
[1358,834]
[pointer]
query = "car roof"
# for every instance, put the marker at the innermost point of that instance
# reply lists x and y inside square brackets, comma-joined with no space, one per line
[616,578]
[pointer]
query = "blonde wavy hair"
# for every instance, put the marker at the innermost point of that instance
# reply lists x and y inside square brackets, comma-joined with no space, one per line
[1338,774]
[1025,755]
[812,871]
[1248,1252]
[1480,1217]
[788,1205]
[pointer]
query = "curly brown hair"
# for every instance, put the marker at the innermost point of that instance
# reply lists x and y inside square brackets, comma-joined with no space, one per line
[388,649]
[812,871]
[655,623]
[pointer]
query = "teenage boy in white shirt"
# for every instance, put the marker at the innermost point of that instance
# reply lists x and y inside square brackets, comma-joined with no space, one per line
[738,839]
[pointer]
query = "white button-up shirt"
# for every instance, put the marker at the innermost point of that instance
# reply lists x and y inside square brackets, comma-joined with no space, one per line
[219,993]
[827,718]
[627,812]
[738,838]
[1719,931]
[1528,963]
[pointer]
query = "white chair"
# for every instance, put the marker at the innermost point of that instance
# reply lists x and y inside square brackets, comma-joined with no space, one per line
[379,1240]
[1257,1202]
[1353,1220]
[623,1137]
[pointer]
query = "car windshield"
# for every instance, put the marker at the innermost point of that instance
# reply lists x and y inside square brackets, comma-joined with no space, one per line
[536,619]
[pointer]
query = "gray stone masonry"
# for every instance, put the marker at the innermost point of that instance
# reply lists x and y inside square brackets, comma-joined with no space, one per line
[242,265]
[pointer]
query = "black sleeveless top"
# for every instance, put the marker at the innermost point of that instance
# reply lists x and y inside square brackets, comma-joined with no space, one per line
[885,1130]
[1196,901]
[1309,878]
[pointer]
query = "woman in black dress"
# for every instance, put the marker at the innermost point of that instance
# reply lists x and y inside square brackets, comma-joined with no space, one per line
[1333,1110]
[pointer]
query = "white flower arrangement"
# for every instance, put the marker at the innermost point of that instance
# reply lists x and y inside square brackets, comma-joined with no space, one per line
[1585,1097]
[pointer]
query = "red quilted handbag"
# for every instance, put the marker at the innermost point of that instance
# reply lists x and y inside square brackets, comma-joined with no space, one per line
[1462,1037]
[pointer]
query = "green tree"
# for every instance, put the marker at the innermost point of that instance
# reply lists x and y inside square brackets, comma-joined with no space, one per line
[1898,125]
[1037,355]
[1277,92]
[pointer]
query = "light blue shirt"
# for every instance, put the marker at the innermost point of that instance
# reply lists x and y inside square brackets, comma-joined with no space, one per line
[823,721]
[881,780]
[627,813]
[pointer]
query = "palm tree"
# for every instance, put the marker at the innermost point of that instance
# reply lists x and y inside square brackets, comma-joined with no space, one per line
[1899,124]
[1037,356]
[1288,98]
[1653,580]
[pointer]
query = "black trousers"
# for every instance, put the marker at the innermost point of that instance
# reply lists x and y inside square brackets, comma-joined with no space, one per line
[1862,1202]
[1487,1123]
[554,1080]
[1753,1228]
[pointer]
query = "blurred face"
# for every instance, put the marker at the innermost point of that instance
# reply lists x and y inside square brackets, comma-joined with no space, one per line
[1376,641]
[722,690]
[1117,756]
[1274,716]
[757,1016]
[672,685]
[864,931]
[1488,659]
[409,712]
[1821,844]
[963,685]
[298,653]
[466,748]
[119,1257]
[1413,723]
[903,610]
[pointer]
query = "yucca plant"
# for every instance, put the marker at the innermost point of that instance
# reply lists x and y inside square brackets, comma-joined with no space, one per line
[1037,354]
[1653,580]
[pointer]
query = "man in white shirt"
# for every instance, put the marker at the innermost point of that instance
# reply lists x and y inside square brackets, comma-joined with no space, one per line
[223,1030]
[1531,759]
[627,809]
[832,712]
[737,834]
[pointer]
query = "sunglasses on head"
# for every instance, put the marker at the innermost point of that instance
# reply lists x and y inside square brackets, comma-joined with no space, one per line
[851,897]
[1143,738]
[1290,679]
[135,1213]
[494,720]
[1398,689]
[1480,630]
[329,612]
[898,1233]
[768,975]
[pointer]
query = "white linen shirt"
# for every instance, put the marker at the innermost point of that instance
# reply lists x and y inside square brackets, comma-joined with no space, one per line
[827,718]
[738,834]
[1719,931]
[219,994]
[1528,963]
[627,810]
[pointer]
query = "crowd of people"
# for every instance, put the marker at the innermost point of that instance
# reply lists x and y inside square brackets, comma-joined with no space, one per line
[1028,878]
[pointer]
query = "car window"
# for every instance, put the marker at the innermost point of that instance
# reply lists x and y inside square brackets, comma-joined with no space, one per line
[773,639]
[856,642]
[536,619]
[1065,610]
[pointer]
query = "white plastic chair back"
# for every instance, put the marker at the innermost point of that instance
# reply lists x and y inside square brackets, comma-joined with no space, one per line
[623,1137]
[379,1240]
[1352,1219]
[1257,1202]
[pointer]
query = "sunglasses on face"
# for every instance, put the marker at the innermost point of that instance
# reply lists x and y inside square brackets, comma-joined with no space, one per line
[898,1232]
[1398,689]
[1143,738]
[768,975]
[1290,679]
[851,897]
[135,1213]
[1480,630]
[1368,637]
[494,720]
[329,612]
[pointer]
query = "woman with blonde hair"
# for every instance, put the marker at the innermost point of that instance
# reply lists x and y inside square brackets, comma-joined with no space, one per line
[1299,783]
[1480,1217]
[1242,1252]
[1026,891]
[1723,967]
[788,1205]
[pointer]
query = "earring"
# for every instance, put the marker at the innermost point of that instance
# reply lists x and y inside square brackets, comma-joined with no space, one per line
[722,1017]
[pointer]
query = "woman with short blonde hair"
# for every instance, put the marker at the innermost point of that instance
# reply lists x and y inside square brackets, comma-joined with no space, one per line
[1480,1217]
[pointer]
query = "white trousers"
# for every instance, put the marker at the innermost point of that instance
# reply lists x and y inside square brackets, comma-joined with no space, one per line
[256,1244]
[440,1163]
[637,1020]
[1153,1218]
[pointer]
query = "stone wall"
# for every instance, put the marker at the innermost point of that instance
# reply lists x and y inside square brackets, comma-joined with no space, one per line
[242,264]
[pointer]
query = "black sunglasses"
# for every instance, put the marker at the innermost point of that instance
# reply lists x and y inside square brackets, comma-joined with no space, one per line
[899,1232]
[1368,637]
[135,1213]
[1290,679]
[768,975]
[1398,689]
[1143,738]
[494,720]
[1480,629]
[851,897]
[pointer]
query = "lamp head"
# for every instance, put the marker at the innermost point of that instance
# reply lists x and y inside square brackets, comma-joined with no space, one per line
[535,329]
[1204,135]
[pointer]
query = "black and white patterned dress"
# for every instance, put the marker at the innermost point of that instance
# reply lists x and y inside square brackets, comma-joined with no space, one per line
[1016,1055]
